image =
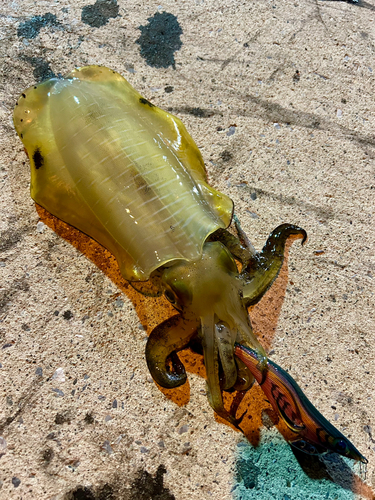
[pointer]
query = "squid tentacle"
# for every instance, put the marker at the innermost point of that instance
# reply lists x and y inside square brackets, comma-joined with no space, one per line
[245,333]
[245,379]
[170,336]
[211,362]
[264,268]
[225,345]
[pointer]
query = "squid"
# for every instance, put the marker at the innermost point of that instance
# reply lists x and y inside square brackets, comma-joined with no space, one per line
[109,162]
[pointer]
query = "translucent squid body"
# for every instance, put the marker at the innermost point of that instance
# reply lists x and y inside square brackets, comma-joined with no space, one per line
[128,174]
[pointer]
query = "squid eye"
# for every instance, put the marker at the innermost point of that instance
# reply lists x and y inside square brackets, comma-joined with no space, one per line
[340,446]
[170,296]
[226,260]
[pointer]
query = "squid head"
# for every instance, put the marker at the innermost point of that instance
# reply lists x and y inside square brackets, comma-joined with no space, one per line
[209,295]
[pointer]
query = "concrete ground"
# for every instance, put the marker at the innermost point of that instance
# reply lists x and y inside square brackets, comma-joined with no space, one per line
[278,96]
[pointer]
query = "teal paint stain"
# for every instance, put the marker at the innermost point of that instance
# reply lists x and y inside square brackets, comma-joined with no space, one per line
[272,471]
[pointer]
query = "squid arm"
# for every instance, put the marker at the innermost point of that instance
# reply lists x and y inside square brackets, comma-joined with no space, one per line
[165,340]
[264,267]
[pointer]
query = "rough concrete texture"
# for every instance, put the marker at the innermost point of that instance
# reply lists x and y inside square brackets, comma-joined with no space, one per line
[279,97]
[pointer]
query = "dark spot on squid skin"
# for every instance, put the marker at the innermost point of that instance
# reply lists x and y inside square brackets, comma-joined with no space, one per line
[99,14]
[38,158]
[160,39]
[31,28]
[142,100]
[41,68]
